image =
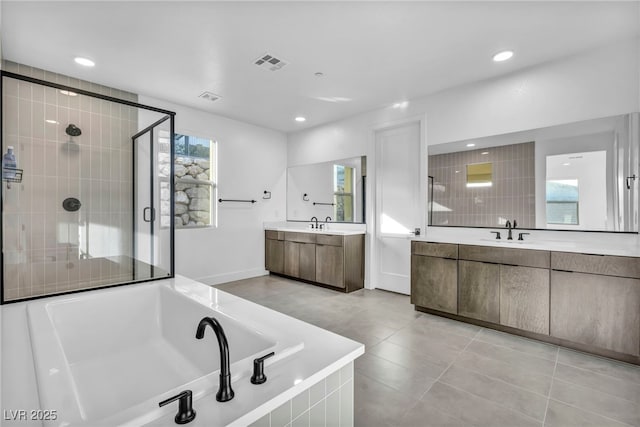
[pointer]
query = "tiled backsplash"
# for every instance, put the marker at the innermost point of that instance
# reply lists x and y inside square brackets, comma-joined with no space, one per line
[511,195]
[48,249]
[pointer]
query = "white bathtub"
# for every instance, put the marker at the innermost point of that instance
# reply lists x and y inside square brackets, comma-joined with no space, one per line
[108,357]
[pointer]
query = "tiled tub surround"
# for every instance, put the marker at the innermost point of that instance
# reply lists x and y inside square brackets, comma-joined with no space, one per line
[305,356]
[512,194]
[45,246]
[329,403]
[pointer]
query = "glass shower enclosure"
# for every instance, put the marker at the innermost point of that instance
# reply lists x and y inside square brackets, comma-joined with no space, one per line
[81,205]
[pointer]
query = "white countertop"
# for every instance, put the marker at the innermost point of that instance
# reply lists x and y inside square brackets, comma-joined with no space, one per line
[315,231]
[619,244]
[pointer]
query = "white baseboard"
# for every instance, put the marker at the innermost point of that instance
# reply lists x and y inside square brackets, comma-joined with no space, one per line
[230,277]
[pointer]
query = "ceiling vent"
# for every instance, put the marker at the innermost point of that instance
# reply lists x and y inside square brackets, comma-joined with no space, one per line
[210,96]
[270,62]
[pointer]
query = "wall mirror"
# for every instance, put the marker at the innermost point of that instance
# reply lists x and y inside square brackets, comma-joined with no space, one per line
[330,191]
[575,176]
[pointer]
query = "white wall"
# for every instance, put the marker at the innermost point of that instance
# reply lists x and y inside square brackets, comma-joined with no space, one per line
[251,159]
[598,83]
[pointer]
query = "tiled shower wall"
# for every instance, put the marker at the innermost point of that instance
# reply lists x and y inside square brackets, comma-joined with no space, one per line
[47,249]
[511,196]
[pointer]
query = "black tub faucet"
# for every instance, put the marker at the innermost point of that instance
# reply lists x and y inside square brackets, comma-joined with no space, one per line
[225,392]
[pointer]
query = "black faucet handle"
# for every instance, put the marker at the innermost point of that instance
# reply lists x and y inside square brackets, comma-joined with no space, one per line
[497,235]
[522,234]
[258,376]
[508,224]
[185,413]
[515,224]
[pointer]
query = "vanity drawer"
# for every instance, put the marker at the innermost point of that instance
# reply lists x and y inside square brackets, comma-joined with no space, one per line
[329,239]
[274,235]
[480,253]
[526,257]
[438,250]
[596,264]
[299,237]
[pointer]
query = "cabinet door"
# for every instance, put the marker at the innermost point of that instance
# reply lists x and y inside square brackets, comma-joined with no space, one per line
[434,283]
[330,265]
[524,298]
[307,268]
[596,310]
[479,290]
[292,259]
[274,255]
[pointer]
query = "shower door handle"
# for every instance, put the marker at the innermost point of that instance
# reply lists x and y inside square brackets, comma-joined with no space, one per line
[152,214]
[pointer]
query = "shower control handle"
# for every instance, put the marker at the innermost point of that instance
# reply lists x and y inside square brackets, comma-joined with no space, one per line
[152,214]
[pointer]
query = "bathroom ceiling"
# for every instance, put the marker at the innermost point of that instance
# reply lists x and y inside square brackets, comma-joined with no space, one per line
[371,54]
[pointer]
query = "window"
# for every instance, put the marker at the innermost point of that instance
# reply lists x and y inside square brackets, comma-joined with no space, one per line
[479,175]
[343,178]
[195,181]
[562,201]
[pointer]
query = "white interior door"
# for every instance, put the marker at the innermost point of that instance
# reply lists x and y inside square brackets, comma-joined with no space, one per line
[398,204]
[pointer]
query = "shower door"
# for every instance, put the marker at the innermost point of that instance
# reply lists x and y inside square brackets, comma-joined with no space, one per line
[152,169]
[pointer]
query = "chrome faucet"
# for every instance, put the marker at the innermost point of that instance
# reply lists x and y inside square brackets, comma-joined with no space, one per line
[225,392]
[313,218]
[508,225]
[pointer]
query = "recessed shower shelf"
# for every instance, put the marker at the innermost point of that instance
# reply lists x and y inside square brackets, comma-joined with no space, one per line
[12,175]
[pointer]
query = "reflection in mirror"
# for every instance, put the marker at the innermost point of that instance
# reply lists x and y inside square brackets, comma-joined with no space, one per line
[577,176]
[331,191]
[479,175]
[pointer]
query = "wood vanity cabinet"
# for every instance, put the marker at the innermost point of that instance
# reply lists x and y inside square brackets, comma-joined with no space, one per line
[434,276]
[332,260]
[588,302]
[524,298]
[508,286]
[330,265]
[479,290]
[300,255]
[274,251]
[595,300]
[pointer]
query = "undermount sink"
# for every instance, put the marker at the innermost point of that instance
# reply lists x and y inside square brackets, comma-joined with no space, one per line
[505,241]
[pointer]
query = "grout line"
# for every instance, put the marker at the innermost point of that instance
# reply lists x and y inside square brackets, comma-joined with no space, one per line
[591,412]
[501,381]
[450,364]
[546,410]
[574,384]
[498,404]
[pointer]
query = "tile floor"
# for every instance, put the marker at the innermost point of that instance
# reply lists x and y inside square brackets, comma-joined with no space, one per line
[423,370]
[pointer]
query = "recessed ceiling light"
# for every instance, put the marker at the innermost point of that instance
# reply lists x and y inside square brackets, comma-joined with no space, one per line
[566,164]
[402,104]
[301,119]
[53,122]
[484,153]
[85,62]
[68,93]
[471,144]
[319,74]
[502,56]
